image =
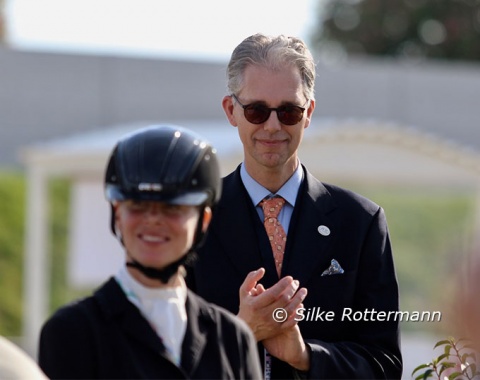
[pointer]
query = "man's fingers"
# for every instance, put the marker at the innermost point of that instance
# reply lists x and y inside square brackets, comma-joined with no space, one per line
[283,291]
[278,295]
[251,281]
[295,304]
[297,300]
[260,289]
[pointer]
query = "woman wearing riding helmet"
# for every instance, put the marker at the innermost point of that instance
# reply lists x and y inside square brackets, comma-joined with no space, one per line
[162,183]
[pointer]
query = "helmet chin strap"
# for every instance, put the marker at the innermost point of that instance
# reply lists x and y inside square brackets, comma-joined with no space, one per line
[165,274]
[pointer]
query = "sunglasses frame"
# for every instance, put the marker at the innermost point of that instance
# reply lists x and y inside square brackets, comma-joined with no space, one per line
[277,110]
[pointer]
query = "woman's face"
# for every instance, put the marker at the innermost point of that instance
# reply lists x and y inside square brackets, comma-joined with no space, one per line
[156,234]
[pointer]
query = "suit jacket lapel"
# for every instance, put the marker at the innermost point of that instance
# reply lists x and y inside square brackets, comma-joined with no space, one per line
[234,224]
[306,247]
[196,334]
[115,304]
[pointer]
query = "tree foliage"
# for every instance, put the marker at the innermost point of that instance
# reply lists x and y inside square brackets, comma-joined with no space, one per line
[440,29]
[457,362]
[2,22]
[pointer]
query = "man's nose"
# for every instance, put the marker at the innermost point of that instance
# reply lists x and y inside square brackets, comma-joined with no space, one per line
[272,124]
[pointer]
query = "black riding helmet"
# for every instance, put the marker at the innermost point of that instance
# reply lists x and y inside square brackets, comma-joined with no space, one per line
[167,164]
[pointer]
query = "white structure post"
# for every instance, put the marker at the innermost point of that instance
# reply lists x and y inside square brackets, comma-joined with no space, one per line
[36,265]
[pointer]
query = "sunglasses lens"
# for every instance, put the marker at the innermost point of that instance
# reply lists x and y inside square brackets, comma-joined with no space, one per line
[256,113]
[289,115]
[259,113]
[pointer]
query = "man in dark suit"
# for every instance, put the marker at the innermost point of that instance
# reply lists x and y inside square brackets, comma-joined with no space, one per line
[144,323]
[317,296]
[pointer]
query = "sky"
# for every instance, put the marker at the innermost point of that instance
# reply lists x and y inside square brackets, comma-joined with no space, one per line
[202,29]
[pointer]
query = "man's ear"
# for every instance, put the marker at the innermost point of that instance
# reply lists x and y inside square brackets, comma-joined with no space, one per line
[228,105]
[207,218]
[310,109]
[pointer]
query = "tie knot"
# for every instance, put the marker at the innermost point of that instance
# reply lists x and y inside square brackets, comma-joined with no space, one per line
[271,207]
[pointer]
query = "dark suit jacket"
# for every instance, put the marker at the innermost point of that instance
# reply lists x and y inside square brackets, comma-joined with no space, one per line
[105,336]
[237,244]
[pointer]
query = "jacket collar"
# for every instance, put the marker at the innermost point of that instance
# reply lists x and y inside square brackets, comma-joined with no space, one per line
[115,306]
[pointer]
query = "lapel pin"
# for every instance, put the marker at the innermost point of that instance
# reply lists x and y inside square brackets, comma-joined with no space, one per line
[323,230]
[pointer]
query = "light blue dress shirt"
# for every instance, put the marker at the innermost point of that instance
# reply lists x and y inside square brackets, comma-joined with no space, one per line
[288,191]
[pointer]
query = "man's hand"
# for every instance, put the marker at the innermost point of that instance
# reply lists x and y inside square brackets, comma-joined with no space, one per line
[257,304]
[289,347]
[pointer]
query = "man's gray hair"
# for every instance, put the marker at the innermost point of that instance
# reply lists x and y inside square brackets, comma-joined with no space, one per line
[273,53]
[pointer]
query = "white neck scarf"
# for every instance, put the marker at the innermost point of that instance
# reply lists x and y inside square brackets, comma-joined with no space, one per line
[164,308]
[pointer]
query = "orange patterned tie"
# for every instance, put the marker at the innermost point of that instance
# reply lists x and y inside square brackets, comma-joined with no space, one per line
[271,208]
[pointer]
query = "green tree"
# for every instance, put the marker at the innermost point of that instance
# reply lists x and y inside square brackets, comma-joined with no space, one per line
[440,29]
[2,23]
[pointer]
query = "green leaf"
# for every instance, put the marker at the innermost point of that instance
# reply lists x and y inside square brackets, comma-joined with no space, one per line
[446,365]
[465,356]
[441,343]
[421,366]
[440,358]
[424,375]
[454,375]
[447,349]
[427,374]
[473,368]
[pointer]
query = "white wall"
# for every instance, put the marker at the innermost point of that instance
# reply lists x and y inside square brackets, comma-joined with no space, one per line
[94,253]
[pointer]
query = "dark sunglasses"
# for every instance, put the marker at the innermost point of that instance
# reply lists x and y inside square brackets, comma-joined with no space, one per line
[257,113]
